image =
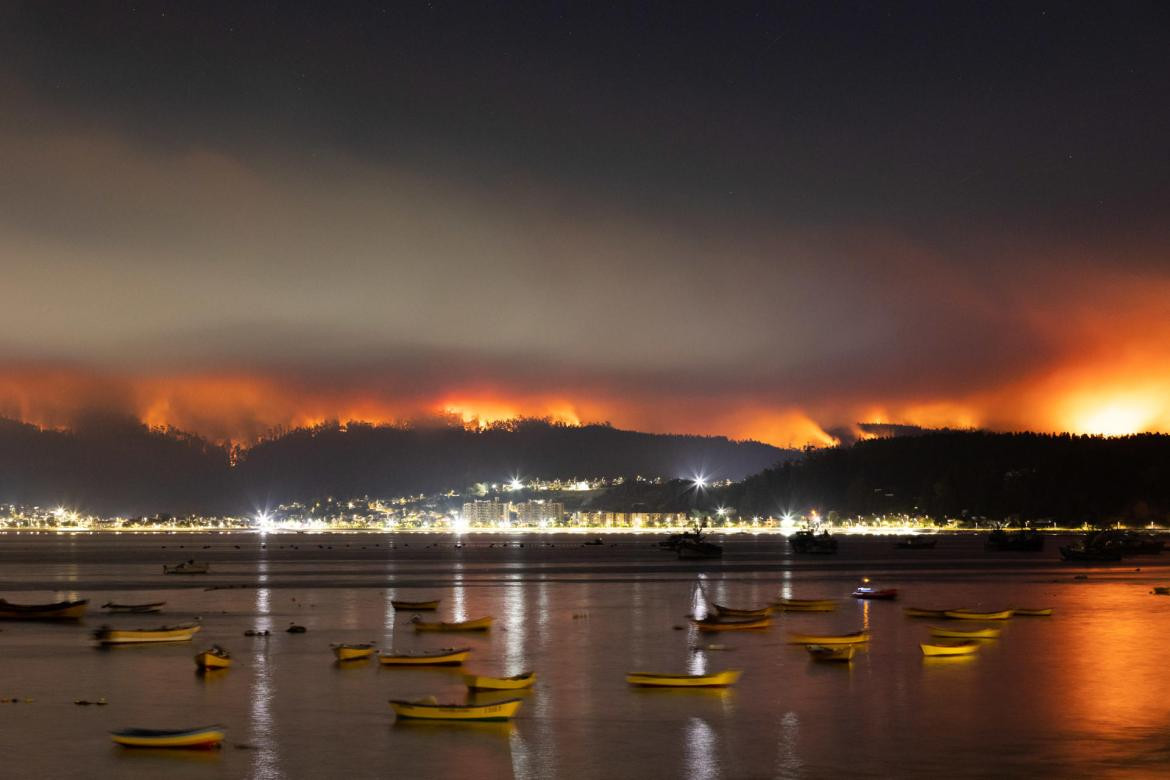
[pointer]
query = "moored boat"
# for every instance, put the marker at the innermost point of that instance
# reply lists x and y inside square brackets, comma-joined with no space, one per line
[431,710]
[345,652]
[1162,590]
[1084,554]
[958,633]
[478,682]
[806,605]
[126,636]
[968,614]
[204,737]
[834,653]
[214,657]
[134,609]
[697,549]
[918,612]
[856,638]
[813,543]
[187,567]
[709,624]
[714,680]
[447,656]
[875,594]
[478,624]
[60,610]
[415,606]
[1032,611]
[950,648]
[725,611]
[1020,540]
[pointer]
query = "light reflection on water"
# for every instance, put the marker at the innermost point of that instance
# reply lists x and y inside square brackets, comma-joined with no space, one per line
[700,750]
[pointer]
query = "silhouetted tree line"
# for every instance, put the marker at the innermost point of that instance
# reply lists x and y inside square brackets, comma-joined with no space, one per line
[120,466]
[955,474]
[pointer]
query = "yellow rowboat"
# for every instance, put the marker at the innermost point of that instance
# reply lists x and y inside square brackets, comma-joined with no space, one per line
[416,606]
[950,649]
[446,657]
[516,682]
[352,652]
[717,680]
[206,737]
[479,624]
[839,653]
[966,614]
[127,636]
[215,657]
[428,710]
[806,605]
[1032,611]
[747,624]
[856,638]
[918,612]
[61,610]
[957,633]
[741,613]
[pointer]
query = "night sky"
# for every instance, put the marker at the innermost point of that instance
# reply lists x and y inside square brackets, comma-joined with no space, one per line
[765,220]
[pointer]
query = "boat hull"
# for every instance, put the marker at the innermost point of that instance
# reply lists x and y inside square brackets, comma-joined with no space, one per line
[450,658]
[415,606]
[857,638]
[115,636]
[717,680]
[502,710]
[517,682]
[966,614]
[209,660]
[742,613]
[949,650]
[207,738]
[806,605]
[62,610]
[352,652]
[479,624]
[750,624]
[1032,612]
[955,633]
[917,612]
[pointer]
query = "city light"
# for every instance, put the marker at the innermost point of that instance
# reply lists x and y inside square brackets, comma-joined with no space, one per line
[515,484]
[700,481]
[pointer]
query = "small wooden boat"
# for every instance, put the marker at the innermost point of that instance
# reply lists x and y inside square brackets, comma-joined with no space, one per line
[430,710]
[856,638]
[415,606]
[476,682]
[958,633]
[352,652]
[447,656]
[478,624]
[1162,590]
[740,612]
[967,614]
[806,605]
[187,567]
[126,636]
[1032,612]
[875,594]
[61,610]
[215,657]
[747,624]
[950,649]
[918,612]
[715,680]
[831,653]
[205,738]
[134,609]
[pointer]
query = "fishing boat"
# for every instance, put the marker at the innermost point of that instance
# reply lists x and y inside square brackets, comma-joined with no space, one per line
[697,549]
[831,653]
[415,606]
[478,624]
[856,638]
[716,624]
[61,610]
[352,652]
[958,633]
[447,656]
[715,680]
[916,543]
[134,609]
[1032,611]
[127,636]
[950,649]
[204,737]
[215,657]
[740,612]
[875,594]
[187,567]
[806,605]
[476,682]
[967,614]
[918,612]
[813,543]
[431,710]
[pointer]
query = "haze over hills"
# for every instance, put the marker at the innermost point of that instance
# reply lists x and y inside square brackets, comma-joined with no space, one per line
[119,466]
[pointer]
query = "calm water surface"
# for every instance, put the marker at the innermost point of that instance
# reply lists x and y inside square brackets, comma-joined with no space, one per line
[1085,693]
